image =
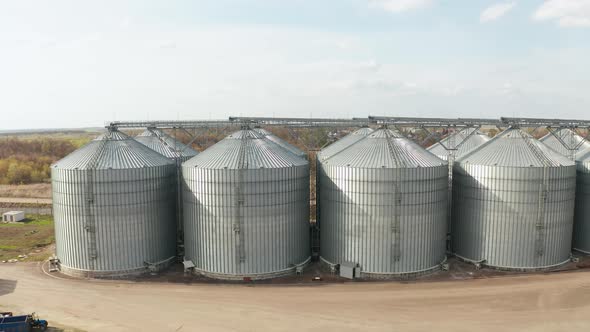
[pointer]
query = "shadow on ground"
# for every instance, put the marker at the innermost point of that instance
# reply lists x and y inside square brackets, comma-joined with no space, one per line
[7,286]
[61,329]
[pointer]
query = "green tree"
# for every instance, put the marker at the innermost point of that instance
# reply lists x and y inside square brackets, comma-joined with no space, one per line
[19,173]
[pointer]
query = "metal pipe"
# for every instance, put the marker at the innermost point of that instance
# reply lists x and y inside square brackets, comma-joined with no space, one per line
[434,122]
[328,122]
[535,122]
[166,124]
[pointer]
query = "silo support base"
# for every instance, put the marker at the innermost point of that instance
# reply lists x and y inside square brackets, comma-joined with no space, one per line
[403,275]
[477,263]
[116,274]
[159,266]
[333,267]
[257,276]
[391,275]
[482,263]
[585,252]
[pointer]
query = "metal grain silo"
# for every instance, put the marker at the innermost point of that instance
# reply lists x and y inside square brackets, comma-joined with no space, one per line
[459,143]
[166,145]
[280,142]
[455,146]
[178,152]
[113,204]
[246,209]
[570,144]
[513,204]
[565,141]
[383,206]
[344,142]
[331,150]
[582,211]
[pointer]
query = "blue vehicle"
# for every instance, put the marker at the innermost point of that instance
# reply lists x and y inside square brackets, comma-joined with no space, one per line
[23,323]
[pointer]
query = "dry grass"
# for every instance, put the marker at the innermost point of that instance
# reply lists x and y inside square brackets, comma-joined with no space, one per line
[38,190]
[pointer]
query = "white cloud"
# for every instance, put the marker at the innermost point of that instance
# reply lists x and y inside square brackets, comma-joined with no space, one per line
[398,6]
[496,11]
[567,13]
[210,71]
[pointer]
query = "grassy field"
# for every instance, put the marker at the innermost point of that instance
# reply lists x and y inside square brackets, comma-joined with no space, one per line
[32,238]
[77,138]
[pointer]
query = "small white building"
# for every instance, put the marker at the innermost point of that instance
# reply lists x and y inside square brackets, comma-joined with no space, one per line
[350,270]
[13,216]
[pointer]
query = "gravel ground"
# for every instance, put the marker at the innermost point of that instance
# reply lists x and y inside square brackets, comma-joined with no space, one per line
[490,301]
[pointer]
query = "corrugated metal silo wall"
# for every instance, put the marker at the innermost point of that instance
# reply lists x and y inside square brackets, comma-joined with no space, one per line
[582,211]
[499,215]
[317,191]
[358,216]
[178,189]
[275,218]
[133,211]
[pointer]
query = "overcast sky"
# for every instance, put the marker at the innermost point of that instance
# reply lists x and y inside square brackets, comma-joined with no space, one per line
[81,63]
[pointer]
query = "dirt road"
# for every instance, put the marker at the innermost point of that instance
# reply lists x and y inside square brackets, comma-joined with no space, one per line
[552,302]
[25,200]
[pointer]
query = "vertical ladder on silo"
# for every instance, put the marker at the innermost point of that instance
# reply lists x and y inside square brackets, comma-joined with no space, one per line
[90,219]
[396,225]
[397,203]
[90,225]
[541,220]
[451,162]
[540,223]
[238,226]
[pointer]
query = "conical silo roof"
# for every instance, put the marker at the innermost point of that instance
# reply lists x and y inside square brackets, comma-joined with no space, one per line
[291,148]
[256,150]
[165,144]
[569,137]
[383,148]
[515,148]
[464,141]
[112,150]
[583,157]
[343,143]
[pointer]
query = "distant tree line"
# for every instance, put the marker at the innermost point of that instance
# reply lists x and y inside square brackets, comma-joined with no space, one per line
[24,161]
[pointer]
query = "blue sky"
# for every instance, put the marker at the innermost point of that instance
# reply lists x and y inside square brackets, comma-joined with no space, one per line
[80,63]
